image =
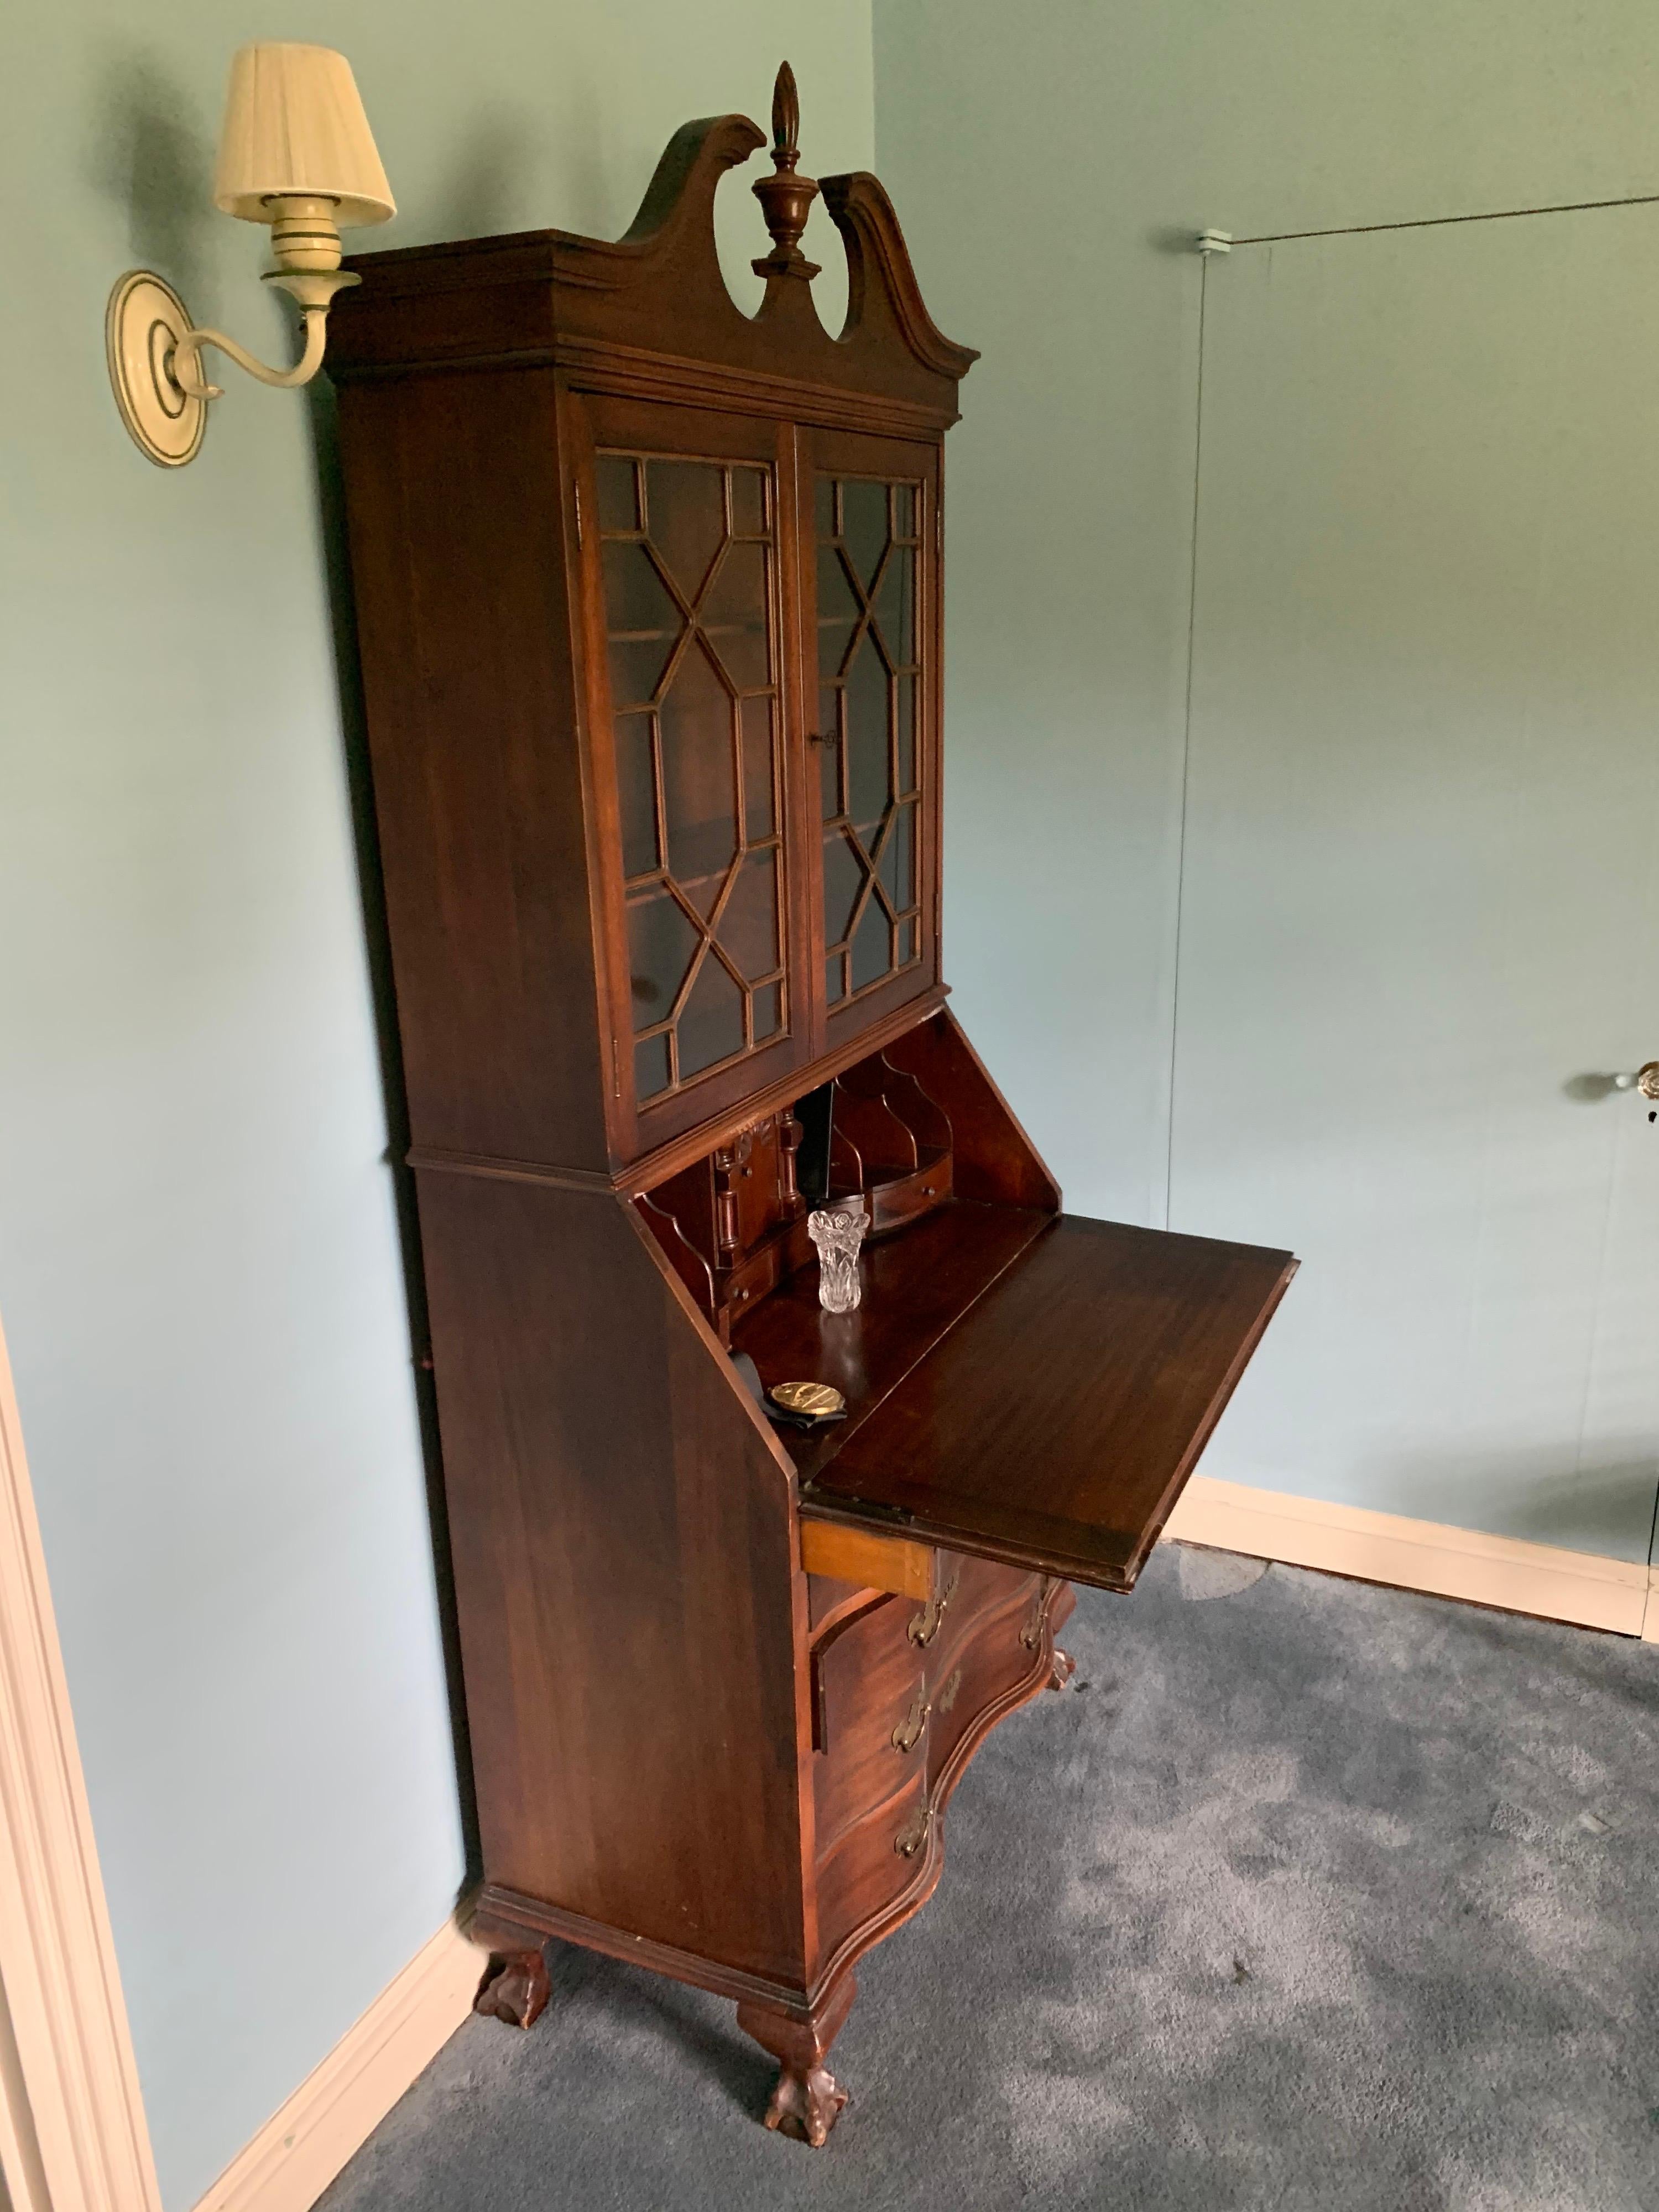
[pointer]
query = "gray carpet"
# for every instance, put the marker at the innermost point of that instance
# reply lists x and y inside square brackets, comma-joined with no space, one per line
[1307,1895]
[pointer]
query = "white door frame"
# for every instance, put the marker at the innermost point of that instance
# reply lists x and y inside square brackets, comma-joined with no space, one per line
[73,2136]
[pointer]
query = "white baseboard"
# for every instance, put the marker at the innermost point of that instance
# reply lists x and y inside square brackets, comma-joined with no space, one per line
[1419,1555]
[336,2109]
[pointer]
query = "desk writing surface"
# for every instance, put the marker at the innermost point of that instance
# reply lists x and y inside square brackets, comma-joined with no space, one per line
[916,1285]
[1055,1425]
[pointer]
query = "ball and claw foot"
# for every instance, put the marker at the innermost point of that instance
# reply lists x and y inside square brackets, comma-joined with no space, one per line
[806,2106]
[517,1992]
[808,2100]
[1061,1669]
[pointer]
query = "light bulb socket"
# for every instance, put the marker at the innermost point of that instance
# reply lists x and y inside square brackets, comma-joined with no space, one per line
[304,233]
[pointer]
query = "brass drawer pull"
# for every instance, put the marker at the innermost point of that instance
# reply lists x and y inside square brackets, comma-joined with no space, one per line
[1036,1624]
[908,1734]
[924,1626]
[914,1834]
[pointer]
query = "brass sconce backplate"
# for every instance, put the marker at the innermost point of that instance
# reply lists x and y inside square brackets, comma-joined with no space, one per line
[144,323]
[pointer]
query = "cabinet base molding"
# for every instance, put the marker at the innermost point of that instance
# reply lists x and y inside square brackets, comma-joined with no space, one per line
[1580,1587]
[335,2110]
[507,1923]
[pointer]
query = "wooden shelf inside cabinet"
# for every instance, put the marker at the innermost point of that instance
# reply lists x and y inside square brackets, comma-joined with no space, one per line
[1054,1425]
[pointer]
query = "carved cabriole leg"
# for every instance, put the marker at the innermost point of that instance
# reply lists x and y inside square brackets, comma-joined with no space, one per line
[516,1991]
[808,2098]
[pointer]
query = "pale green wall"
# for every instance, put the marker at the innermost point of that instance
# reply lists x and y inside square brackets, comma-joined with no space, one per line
[199,1270]
[1045,161]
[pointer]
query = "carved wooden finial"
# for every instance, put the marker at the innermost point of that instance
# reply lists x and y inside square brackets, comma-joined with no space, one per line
[786,198]
[786,118]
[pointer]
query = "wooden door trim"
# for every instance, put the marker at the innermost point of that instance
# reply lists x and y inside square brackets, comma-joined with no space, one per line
[91,2151]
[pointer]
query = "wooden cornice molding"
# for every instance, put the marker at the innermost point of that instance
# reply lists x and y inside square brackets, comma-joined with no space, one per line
[82,2144]
[880,280]
[538,298]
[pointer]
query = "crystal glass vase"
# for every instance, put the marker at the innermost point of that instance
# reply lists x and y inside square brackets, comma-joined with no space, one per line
[838,1231]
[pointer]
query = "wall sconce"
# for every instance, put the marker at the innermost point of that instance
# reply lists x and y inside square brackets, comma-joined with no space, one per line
[295,152]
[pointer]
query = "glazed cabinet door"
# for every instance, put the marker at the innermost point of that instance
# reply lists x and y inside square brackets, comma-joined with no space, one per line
[688,537]
[873,590]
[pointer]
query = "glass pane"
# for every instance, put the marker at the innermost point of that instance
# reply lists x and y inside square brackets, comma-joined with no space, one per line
[834,980]
[636,666]
[844,879]
[734,616]
[759,770]
[749,927]
[748,502]
[864,526]
[897,866]
[698,775]
[636,785]
[867,739]
[838,609]
[904,510]
[660,944]
[685,511]
[894,607]
[907,733]
[643,621]
[872,953]
[909,939]
[636,596]
[651,1066]
[711,1028]
[699,793]
[619,504]
[824,505]
[830,758]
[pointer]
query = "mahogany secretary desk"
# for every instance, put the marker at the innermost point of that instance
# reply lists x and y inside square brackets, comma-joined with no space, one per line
[648,596]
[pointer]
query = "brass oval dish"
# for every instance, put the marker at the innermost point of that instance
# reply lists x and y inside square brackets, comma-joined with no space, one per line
[818,1399]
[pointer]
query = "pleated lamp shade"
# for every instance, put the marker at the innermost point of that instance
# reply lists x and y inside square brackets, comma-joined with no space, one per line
[295,126]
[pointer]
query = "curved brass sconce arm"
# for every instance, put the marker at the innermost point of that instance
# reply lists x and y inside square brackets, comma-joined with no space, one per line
[315,293]
[186,361]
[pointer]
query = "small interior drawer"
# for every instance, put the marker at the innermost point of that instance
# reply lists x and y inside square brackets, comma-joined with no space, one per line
[869,1559]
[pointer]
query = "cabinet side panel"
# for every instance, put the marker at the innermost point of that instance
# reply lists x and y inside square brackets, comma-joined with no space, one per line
[624,1562]
[995,1160]
[452,488]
